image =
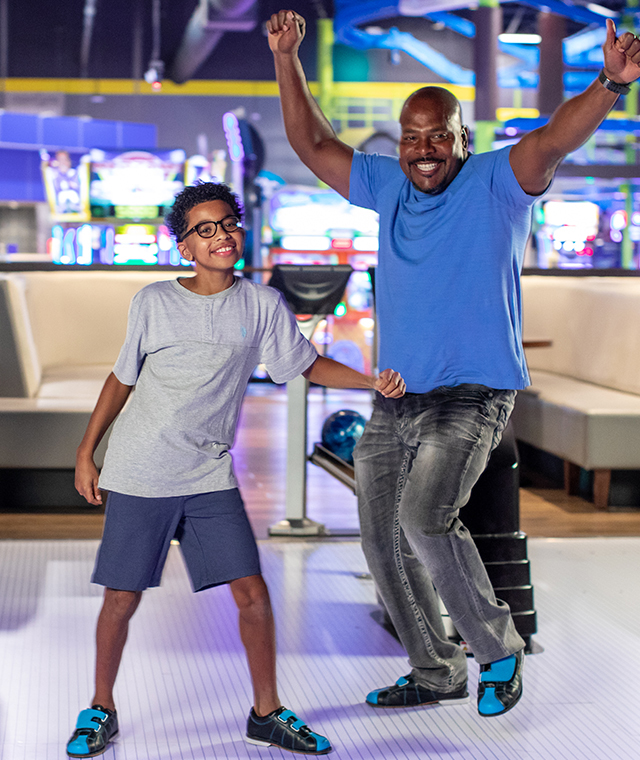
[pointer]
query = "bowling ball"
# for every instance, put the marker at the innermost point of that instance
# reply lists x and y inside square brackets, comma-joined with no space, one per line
[341,431]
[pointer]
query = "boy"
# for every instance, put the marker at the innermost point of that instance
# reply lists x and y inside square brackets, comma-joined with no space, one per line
[191,346]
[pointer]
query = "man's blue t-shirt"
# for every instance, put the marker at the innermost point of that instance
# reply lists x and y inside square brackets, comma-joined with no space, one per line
[447,283]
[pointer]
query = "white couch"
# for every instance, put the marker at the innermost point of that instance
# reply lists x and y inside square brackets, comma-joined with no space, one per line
[584,402]
[60,333]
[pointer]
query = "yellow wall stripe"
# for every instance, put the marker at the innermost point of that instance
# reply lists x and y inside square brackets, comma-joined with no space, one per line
[213,87]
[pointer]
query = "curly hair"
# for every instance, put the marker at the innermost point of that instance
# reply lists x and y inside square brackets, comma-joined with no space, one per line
[193,195]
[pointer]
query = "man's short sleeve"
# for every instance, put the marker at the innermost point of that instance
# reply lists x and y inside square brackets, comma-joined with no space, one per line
[131,357]
[502,181]
[370,176]
[286,353]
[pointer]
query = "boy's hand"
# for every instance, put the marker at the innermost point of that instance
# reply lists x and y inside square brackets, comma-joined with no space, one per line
[286,31]
[86,480]
[390,384]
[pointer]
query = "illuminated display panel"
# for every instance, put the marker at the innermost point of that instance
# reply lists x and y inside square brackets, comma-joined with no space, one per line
[145,180]
[66,182]
[299,212]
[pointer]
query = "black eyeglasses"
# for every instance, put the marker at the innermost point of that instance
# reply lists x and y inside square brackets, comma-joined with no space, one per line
[209,229]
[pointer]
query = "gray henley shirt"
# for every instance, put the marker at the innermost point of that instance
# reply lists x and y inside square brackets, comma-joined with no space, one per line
[190,358]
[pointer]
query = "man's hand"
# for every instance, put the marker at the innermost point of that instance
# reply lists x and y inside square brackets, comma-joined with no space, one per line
[390,384]
[621,55]
[286,31]
[86,480]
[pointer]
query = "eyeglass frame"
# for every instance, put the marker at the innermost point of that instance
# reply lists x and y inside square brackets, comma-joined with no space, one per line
[211,221]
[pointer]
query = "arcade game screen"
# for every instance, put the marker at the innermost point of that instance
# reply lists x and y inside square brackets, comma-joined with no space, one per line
[134,184]
[66,182]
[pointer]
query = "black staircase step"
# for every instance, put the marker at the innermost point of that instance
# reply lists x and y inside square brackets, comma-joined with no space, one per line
[526,623]
[502,547]
[508,574]
[519,598]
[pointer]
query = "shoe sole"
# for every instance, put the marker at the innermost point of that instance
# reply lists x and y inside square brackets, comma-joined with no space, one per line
[441,703]
[263,743]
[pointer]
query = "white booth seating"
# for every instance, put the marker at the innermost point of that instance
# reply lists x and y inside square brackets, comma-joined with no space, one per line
[584,402]
[60,334]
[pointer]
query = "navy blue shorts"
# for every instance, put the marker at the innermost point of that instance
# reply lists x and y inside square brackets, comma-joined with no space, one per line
[215,537]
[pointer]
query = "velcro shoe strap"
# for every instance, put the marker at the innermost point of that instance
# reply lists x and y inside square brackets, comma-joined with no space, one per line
[286,715]
[88,718]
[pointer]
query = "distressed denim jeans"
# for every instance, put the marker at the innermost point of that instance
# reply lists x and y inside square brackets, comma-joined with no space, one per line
[415,465]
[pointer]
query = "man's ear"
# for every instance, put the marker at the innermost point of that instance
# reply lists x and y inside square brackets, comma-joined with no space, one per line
[465,137]
[182,247]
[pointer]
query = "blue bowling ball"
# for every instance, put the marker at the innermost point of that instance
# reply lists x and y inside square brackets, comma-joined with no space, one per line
[341,431]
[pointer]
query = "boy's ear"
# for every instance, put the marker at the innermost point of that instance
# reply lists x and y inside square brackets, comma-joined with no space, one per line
[183,251]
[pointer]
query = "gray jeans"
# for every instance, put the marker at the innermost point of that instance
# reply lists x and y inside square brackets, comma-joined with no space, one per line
[415,467]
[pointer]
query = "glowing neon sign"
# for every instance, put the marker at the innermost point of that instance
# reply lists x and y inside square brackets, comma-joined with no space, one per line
[234,139]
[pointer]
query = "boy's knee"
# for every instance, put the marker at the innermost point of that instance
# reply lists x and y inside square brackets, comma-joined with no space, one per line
[251,595]
[121,604]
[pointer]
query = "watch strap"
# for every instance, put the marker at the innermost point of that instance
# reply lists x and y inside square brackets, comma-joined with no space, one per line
[609,84]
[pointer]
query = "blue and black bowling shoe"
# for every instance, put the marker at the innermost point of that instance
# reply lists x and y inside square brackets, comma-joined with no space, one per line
[282,728]
[94,730]
[406,692]
[500,685]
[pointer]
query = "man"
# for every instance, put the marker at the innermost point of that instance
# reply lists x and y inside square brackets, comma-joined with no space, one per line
[453,227]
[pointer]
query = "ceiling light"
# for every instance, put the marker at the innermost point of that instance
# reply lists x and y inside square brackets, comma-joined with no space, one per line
[594,8]
[521,39]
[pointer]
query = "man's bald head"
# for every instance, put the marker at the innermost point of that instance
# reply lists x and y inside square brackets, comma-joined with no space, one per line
[436,95]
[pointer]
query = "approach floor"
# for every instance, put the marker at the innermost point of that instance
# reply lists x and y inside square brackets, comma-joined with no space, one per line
[184,692]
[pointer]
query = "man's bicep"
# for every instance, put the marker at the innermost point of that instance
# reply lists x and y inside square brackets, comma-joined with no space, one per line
[532,162]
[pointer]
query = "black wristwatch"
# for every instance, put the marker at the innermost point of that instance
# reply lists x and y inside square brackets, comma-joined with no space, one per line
[609,84]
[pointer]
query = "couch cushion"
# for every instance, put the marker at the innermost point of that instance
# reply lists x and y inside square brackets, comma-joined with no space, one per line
[80,318]
[20,369]
[84,382]
[593,323]
[589,425]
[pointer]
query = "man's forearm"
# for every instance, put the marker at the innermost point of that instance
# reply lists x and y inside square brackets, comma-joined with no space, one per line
[305,124]
[577,119]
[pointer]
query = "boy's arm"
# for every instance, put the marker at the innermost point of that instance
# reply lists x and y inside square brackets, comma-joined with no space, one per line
[328,372]
[308,130]
[112,398]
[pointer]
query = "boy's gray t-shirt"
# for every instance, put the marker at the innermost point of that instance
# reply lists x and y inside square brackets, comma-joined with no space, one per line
[190,358]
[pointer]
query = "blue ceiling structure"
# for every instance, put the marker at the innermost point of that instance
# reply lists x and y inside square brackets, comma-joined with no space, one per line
[582,50]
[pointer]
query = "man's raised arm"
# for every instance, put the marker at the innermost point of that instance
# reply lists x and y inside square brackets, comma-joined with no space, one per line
[535,158]
[308,130]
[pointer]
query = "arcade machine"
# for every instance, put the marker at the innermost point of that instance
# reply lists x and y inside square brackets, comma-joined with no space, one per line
[108,208]
[317,226]
[584,234]
[247,154]
[312,291]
